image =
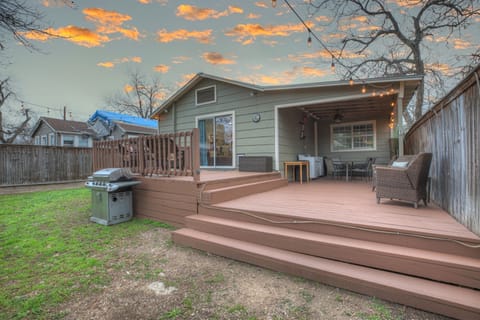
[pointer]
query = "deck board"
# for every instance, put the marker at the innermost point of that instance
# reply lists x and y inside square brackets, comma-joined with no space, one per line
[351,203]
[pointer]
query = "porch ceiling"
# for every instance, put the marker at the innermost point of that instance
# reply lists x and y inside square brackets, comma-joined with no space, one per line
[370,106]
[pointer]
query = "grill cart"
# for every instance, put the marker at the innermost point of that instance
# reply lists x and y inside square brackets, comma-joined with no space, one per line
[111,195]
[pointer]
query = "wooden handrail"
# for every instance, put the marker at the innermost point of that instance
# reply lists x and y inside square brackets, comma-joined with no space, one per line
[172,154]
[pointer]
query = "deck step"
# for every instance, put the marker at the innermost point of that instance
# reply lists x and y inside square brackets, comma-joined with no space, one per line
[233,181]
[393,236]
[218,195]
[450,300]
[437,266]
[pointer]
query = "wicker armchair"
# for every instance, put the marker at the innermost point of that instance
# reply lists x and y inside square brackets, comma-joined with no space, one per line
[407,183]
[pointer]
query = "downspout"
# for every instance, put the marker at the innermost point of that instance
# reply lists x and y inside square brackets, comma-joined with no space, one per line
[315,137]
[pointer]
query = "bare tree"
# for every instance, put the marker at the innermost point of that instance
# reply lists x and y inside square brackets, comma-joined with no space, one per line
[393,38]
[139,97]
[18,17]
[8,133]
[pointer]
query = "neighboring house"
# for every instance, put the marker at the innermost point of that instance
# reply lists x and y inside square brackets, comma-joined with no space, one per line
[340,119]
[112,125]
[59,132]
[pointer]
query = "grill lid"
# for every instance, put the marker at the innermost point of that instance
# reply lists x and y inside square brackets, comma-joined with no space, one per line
[113,174]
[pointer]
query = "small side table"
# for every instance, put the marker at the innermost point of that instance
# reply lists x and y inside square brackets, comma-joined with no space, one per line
[299,164]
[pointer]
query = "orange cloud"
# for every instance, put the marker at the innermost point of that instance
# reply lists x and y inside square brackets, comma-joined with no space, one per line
[216,58]
[193,13]
[81,36]
[261,4]
[185,78]
[246,33]
[109,22]
[253,16]
[107,64]
[312,72]
[162,68]
[324,54]
[127,88]
[461,44]
[111,64]
[323,19]
[181,59]
[204,36]
[144,1]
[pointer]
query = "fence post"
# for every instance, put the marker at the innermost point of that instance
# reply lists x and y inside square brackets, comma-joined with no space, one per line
[196,154]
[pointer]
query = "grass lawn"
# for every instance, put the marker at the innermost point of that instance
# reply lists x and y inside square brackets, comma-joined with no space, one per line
[50,250]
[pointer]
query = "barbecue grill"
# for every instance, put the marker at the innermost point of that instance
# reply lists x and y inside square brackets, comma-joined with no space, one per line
[111,195]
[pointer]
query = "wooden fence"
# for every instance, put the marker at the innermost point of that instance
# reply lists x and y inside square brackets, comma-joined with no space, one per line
[29,164]
[174,154]
[451,131]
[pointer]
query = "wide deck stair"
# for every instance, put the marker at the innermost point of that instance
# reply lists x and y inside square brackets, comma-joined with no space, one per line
[424,271]
[229,189]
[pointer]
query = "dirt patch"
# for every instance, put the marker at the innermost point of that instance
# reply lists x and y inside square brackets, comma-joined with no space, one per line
[205,286]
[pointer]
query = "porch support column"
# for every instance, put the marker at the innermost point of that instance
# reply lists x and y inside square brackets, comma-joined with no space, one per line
[401,94]
[315,137]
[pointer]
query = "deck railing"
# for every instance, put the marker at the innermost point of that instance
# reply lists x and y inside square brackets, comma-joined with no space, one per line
[173,154]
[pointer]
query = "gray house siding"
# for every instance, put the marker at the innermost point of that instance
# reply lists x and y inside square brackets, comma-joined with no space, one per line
[289,128]
[258,138]
[382,152]
[251,138]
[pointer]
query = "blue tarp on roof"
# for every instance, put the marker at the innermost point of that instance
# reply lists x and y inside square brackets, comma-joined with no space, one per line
[109,117]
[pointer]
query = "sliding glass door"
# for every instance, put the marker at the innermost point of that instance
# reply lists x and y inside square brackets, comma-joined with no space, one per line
[216,140]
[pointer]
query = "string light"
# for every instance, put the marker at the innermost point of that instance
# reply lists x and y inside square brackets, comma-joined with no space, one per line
[274,3]
[350,82]
[364,89]
[309,40]
[312,34]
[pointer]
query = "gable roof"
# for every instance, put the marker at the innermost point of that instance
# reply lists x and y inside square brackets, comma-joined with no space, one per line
[109,118]
[125,127]
[312,85]
[63,126]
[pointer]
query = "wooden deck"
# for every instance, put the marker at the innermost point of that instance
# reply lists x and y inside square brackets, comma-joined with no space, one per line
[351,203]
[331,231]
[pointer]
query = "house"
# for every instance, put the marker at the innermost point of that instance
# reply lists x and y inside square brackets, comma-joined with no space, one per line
[350,120]
[112,125]
[59,132]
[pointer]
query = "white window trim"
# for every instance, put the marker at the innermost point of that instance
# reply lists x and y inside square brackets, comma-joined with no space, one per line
[44,138]
[343,124]
[208,102]
[50,136]
[234,152]
[38,141]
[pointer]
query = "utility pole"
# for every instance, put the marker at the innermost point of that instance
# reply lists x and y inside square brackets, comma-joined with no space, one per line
[64,112]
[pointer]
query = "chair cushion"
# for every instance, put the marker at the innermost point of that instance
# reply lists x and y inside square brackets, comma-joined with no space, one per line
[400,164]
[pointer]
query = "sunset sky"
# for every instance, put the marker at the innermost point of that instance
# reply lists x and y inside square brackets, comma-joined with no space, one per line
[244,40]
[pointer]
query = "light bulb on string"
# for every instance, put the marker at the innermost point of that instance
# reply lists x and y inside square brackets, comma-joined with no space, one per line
[274,3]
[332,65]
[309,39]
[364,89]
[350,82]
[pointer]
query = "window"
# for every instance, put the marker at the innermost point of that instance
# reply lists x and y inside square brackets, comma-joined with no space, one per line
[354,136]
[68,141]
[83,141]
[205,95]
[44,141]
[37,140]
[51,139]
